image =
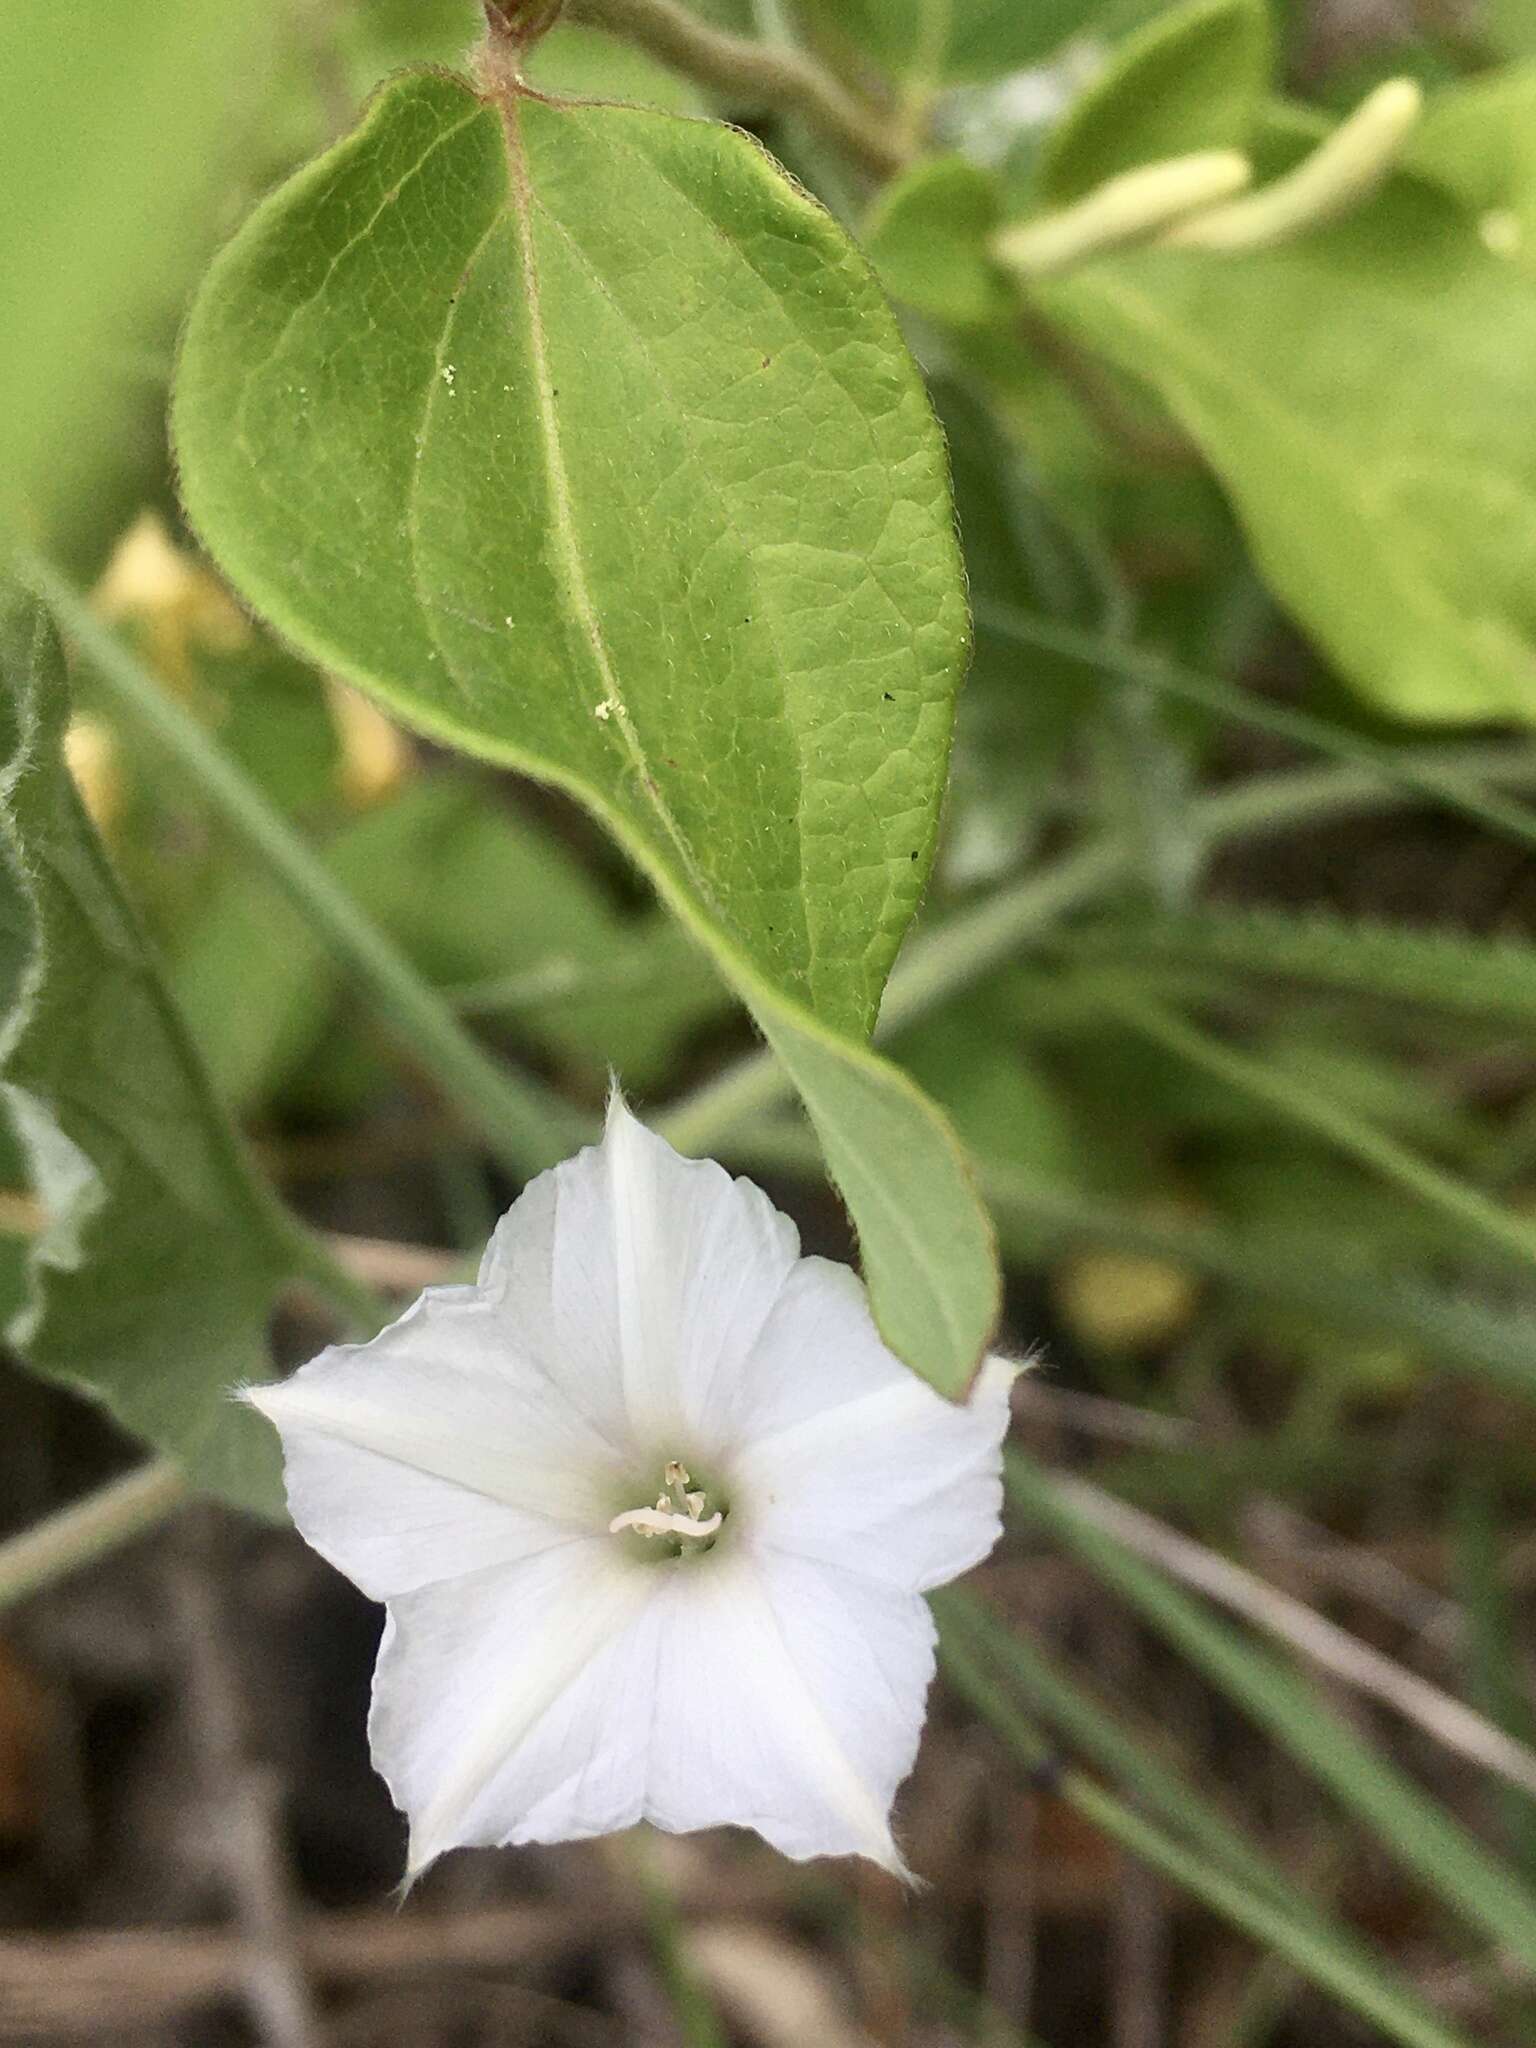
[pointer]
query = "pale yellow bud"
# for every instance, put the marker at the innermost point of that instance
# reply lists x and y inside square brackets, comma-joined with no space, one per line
[1344,169]
[1119,1302]
[90,754]
[1500,232]
[375,754]
[178,608]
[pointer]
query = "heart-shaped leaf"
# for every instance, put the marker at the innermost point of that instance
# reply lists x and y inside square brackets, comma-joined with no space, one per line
[587,443]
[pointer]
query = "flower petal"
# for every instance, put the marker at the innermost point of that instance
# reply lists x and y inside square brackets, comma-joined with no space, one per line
[644,1274]
[579,1693]
[430,1452]
[790,1701]
[818,1349]
[468,1673]
[881,1474]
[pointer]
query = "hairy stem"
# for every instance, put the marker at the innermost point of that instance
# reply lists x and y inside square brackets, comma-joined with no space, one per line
[1445,778]
[1511,1237]
[947,957]
[1038,1217]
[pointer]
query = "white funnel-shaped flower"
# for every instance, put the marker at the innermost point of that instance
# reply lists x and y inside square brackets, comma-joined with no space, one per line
[653,1510]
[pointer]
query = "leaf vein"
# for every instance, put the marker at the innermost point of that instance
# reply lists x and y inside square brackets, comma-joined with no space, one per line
[618,721]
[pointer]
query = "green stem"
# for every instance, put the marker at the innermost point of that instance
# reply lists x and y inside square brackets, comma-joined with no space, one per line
[78,1535]
[526,1125]
[358,1304]
[771,74]
[698,2022]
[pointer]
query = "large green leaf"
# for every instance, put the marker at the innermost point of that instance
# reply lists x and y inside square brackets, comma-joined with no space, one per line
[161,1255]
[1363,392]
[587,443]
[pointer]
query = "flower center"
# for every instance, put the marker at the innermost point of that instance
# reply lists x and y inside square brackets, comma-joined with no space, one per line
[681,1514]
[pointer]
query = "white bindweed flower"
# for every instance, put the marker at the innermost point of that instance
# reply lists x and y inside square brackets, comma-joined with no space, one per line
[653,1510]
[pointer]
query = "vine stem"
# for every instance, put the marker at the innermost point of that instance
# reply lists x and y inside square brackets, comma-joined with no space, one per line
[777,75]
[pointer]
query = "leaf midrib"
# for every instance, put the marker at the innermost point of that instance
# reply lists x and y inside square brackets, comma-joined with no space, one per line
[578,587]
[730,524]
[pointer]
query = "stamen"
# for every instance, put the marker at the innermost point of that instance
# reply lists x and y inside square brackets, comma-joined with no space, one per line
[679,1510]
[653,1522]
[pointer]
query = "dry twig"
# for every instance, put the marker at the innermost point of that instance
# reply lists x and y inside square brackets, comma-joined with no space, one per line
[773,75]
